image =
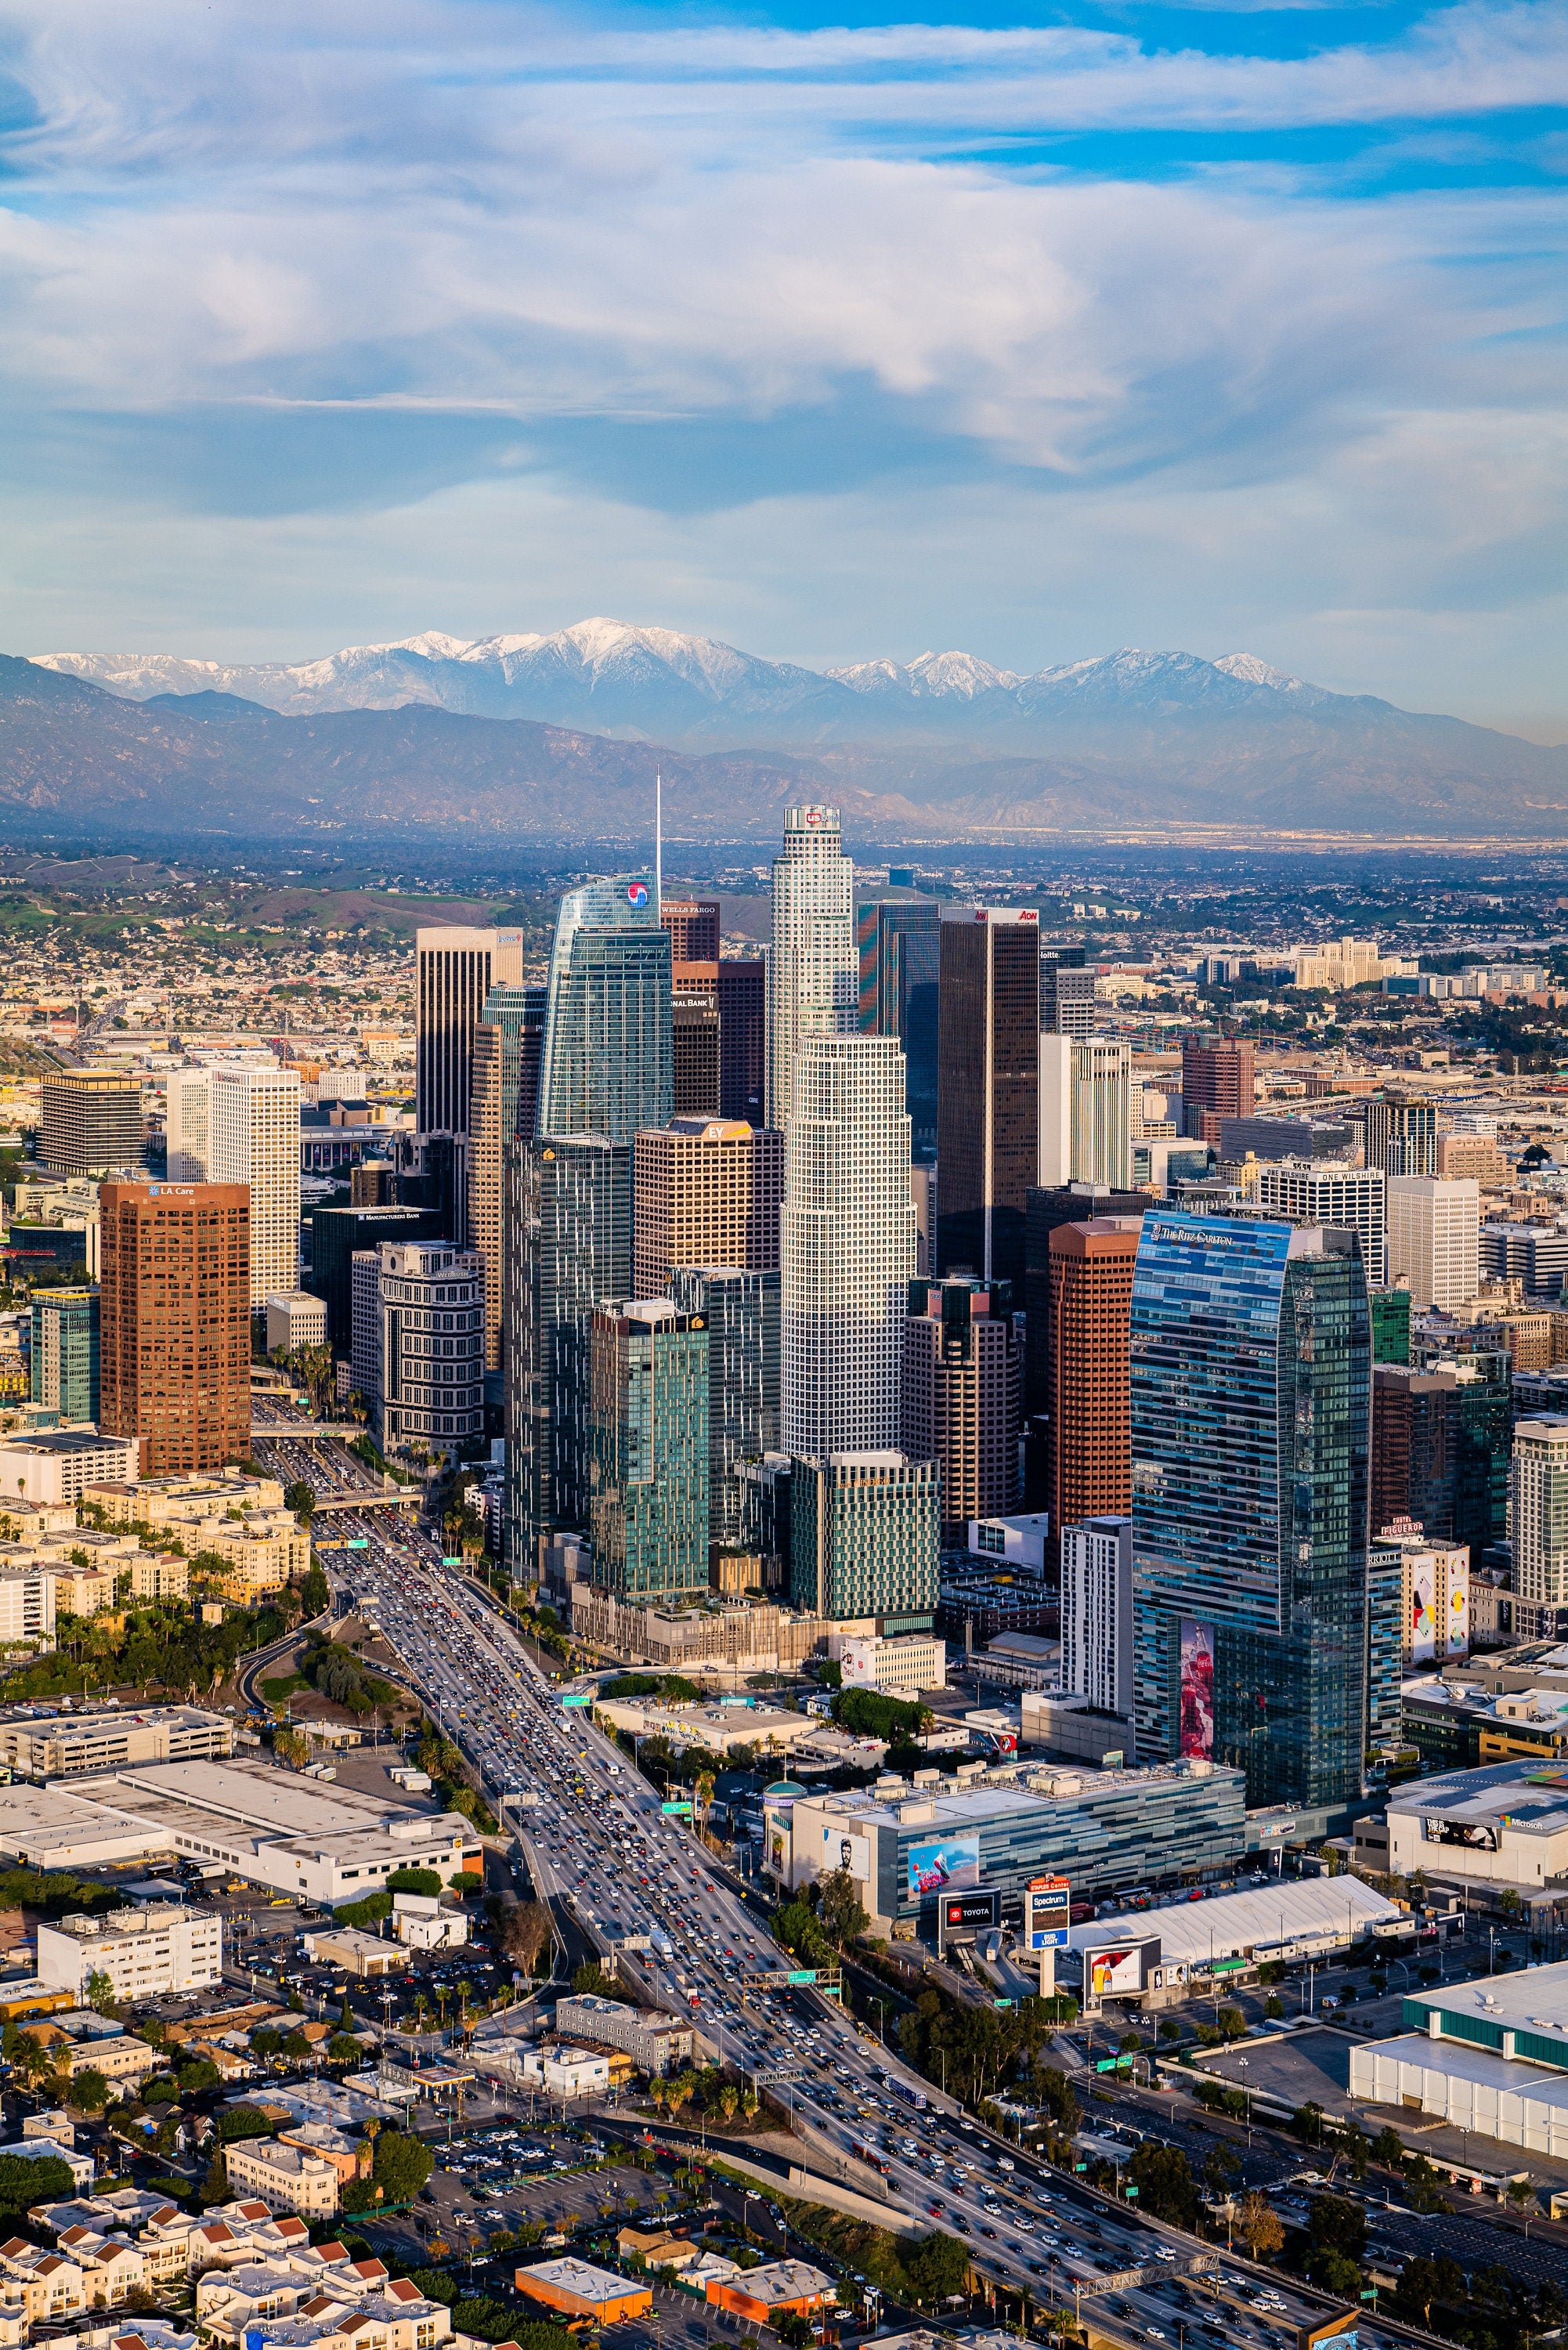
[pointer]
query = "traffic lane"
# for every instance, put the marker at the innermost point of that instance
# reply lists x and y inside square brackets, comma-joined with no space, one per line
[1009,2255]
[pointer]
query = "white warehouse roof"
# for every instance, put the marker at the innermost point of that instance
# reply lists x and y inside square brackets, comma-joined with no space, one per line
[1271,1920]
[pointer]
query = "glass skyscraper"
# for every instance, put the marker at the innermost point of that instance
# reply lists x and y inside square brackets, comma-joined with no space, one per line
[648,1455]
[1251,1407]
[569,1248]
[866,1539]
[609,1061]
[741,1311]
[897,940]
[65,1352]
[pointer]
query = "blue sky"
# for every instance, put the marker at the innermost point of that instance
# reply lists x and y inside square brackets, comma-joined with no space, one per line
[831,333]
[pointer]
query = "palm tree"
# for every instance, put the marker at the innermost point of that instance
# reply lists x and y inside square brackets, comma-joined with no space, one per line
[421,2009]
[703,1790]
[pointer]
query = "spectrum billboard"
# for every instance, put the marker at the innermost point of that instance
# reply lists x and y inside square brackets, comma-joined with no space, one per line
[1046,1912]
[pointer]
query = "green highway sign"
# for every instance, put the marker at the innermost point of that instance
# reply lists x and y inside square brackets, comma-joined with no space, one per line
[676,1811]
[802,1975]
[453,1562]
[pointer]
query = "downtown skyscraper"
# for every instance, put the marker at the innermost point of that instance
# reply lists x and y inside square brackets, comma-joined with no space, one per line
[605,1069]
[813,977]
[1252,1353]
[988,1104]
[846,1247]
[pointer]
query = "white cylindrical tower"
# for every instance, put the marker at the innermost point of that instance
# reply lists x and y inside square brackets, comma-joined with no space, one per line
[812,976]
[848,1247]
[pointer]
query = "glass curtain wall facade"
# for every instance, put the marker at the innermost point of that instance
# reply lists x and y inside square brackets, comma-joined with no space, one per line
[988,1150]
[607,1063]
[866,1539]
[741,1311]
[569,1219]
[648,1464]
[898,945]
[1251,1407]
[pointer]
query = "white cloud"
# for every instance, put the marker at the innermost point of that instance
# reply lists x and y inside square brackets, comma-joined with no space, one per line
[1257,402]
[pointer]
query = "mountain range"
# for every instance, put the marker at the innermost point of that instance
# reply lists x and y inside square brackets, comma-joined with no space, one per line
[557,736]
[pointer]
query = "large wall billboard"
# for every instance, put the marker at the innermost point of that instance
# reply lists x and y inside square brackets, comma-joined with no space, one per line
[1118,1970]
[1458,1627]
[945,1865]
[1196,1655]
[1423,1609]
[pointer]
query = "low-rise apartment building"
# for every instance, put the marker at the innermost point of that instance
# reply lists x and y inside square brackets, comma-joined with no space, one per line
[285,2178]
[656,2042]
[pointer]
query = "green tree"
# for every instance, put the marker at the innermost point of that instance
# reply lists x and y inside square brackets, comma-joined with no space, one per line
[839,1907]
[244,2121]
[89,2091]
[1163,2177]
[937,2265]
[24,2182]
[1334,2272]
[1336,2224]
[402,2165]
[99,1993]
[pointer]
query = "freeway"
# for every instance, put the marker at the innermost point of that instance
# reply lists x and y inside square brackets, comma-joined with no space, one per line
[598,1844]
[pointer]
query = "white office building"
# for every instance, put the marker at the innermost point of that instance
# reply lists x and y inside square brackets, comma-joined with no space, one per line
[813,973]
[1538,1510]
[238,1122]
[1097,1613]
[1330,1191]
[1086,1111]
[145,1952]
[848,1252]
[1434,1238]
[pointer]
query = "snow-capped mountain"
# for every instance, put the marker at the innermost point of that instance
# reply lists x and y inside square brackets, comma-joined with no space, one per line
[660,685]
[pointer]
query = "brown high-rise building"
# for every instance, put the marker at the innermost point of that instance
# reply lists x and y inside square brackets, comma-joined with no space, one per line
[174,1321]
[742,1038]
[962,1394]
[1089,1433]
[706,1191]
[693,927]
[694,1033]
[988,1087]
[1217,1076]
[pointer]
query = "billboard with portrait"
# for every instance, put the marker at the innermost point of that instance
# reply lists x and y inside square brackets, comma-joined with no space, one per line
[1423,1632]
[943,1865]
[1196,1663]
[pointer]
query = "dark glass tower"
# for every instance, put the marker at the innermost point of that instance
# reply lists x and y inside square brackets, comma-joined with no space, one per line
[1252,1355]
[741,1311]
[568,1232]
[897,944]
[988,1110]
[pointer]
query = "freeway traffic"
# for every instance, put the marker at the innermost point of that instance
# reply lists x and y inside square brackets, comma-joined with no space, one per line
[596,1839]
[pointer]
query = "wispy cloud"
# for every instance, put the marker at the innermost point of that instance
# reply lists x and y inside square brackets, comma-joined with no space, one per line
[551,216]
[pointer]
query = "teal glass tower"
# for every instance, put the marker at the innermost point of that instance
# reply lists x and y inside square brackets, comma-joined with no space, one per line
[64,1357]
[741,1311]
[648,1465]
[608,1063]
[1251,1352]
